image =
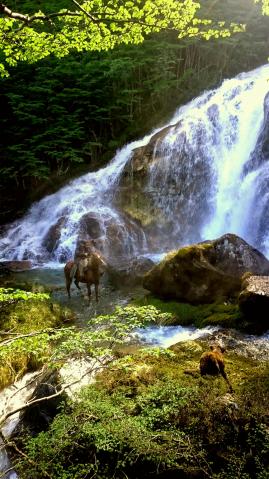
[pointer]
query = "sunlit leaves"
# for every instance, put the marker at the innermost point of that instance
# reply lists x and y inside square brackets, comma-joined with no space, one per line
[265,6]
[101,25]
[12,295]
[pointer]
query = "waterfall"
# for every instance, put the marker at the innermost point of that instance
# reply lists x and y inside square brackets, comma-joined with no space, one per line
[211,176]
[61,213]
[208,175]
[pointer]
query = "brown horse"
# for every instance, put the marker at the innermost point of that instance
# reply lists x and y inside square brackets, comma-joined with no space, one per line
[92,269]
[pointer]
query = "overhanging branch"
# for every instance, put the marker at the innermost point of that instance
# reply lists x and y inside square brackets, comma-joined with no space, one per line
[7,12]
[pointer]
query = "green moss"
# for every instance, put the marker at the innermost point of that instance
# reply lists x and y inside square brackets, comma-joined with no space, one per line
[25,317]
[33,315]
[193,249]
[226,315]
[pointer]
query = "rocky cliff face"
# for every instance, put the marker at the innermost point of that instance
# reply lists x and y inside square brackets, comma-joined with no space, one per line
[163,187]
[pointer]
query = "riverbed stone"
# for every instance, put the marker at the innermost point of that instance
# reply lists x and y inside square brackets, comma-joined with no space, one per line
[206,272]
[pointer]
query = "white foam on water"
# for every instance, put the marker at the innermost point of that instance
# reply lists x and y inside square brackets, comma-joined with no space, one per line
[165,336]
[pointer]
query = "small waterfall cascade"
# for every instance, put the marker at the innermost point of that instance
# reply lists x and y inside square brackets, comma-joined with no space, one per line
[49,231]
[208,175]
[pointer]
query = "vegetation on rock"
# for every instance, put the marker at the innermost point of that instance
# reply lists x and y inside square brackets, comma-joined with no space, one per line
[205,272]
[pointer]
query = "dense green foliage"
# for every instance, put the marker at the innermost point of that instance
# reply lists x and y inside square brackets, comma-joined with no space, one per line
[265,6]
[12,295]
[27,321]
[146,418]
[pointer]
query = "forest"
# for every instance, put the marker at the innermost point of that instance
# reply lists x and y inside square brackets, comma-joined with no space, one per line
[134,163]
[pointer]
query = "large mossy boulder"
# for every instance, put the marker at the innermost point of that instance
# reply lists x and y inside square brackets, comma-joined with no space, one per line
[206,272]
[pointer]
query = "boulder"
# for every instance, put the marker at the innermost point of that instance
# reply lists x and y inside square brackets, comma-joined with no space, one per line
[206,272]
[90,226]
[116,237]
[133,195]
[254,301]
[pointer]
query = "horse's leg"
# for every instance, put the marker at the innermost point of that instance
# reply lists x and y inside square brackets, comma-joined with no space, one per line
[68,280]
[77,284]
[68,284]
[89,291]
[96,291]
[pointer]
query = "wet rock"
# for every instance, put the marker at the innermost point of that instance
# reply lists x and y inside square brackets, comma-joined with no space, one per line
[51,240]
[254,301]
[243,345]
[115,237]
[15,266]
[160,188]
[205,272]
[90,226]
[261,151]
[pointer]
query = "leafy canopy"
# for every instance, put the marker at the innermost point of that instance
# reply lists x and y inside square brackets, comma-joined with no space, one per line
[265,6]
[98,25]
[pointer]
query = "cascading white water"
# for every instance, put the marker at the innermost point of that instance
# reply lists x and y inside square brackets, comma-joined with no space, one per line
[207,181]
[201,182]
[91,194]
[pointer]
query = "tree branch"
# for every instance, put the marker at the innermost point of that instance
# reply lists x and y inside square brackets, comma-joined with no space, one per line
[7,12]
[93,19]
[35,333]
[26,19]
